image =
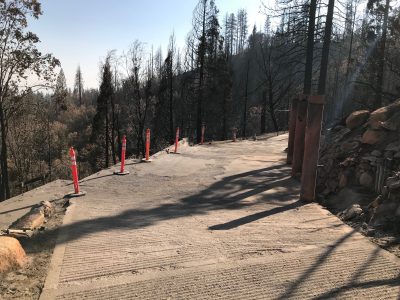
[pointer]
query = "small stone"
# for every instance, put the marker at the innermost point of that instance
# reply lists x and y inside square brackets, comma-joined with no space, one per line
[351,212]
[342,181]
[395,147]
[391,180]
[385,191]
[337,128]
[388,154]
[398,211]
[376,153]
[393,196]
[349,146]
[332,185]
[366,179]
[394,185]
[329,163]
[375,204]
[341,134]
[357,118]
[47,208]
[326,192]
[347,162]
[370,231]
[369,158]
[365,166]
[372,137]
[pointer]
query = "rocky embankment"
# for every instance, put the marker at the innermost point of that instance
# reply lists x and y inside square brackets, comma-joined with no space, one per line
[360,168]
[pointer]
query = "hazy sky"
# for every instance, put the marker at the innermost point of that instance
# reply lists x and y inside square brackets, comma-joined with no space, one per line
[81,32]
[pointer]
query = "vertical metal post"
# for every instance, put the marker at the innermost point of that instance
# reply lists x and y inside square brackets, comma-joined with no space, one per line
[311,149]
[298,149]
[292,129]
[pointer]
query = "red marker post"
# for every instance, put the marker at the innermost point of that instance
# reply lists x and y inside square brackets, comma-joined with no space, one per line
[176,140]
[74,171]
[147,145]
[203,129]
[123,150]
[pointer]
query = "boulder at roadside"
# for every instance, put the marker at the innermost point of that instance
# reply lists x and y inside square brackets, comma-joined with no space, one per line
[11,254]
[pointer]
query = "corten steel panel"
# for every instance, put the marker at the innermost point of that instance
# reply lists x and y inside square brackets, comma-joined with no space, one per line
[298,150]
[292,129]
[311,149]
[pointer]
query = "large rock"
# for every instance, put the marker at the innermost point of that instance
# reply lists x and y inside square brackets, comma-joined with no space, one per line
[364,166]
[343,181]
[337,136]
[347,162]
[383,114]
[393,123]
[393,183]
[375,204]
[373,137]
[349,146]
[395,147]
[377,117]
[376,153]
[332,184]
[11,254]
[352,212]
[31,221]
[357,118]
[394,186]
[369,158]
[391,180]
[366,180]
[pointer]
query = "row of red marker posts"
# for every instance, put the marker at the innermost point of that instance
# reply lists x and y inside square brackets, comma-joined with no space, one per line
[122,171]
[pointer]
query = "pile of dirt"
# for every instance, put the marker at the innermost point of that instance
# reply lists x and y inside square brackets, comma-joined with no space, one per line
[27,282]
[359,176]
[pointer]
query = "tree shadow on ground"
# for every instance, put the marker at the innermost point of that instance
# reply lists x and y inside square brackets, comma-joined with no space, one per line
[266,185]
[353,283]
[227,193]
[256,216]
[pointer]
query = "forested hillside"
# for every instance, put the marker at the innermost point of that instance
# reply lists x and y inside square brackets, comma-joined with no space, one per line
[224,77]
